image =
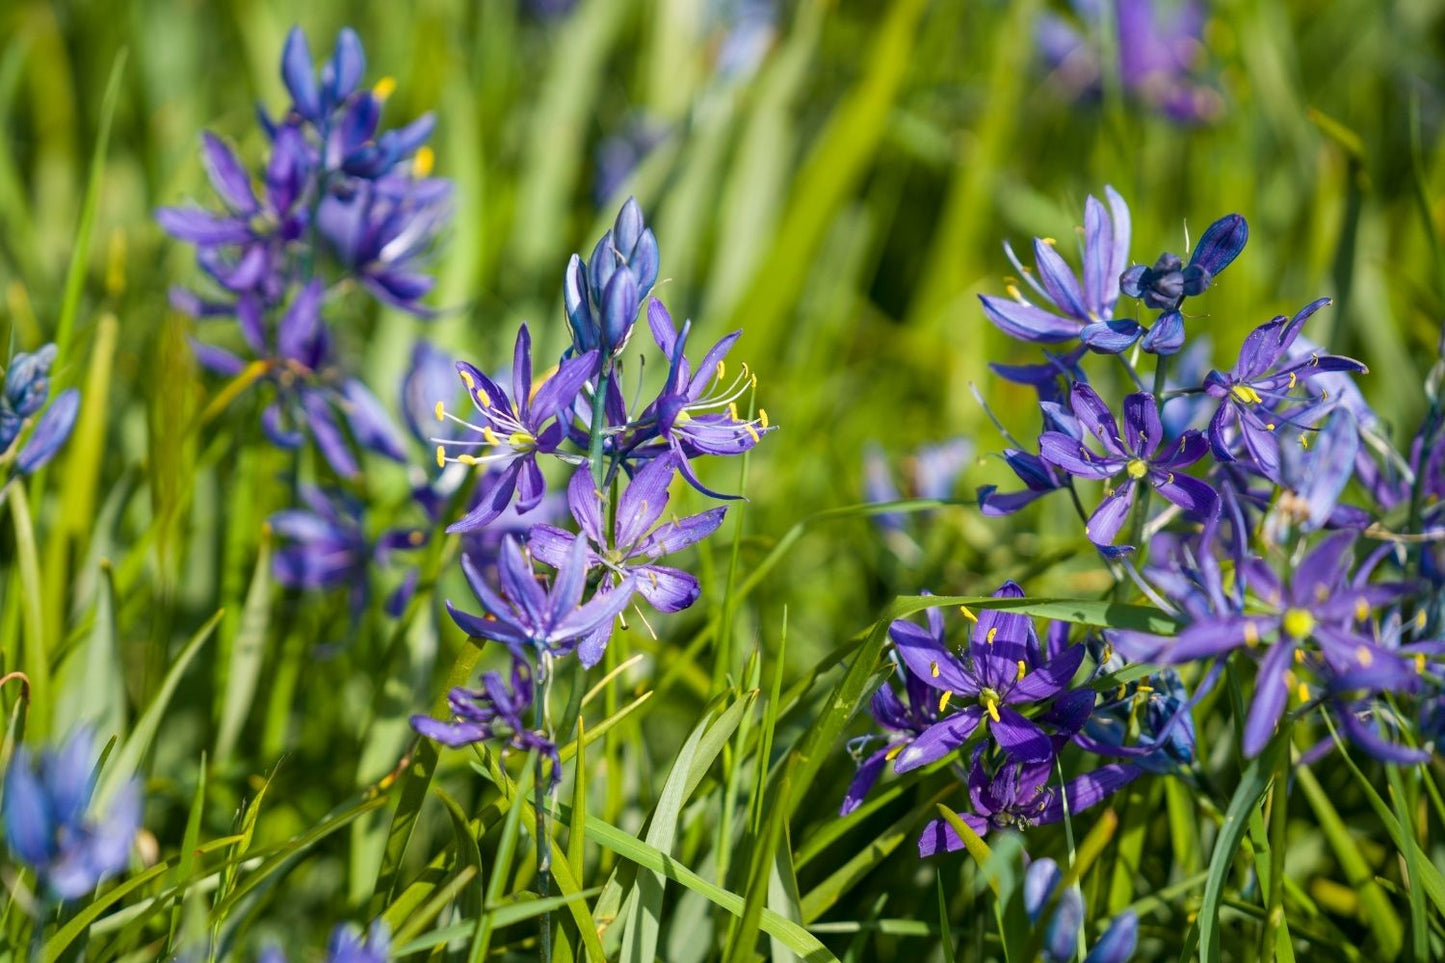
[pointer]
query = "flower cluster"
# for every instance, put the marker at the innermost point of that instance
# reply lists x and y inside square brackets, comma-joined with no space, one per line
[1251,547]
[52,827]
[621,460]
[340,203]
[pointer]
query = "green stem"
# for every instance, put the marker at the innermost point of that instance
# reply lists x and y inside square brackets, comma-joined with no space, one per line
[37,659]
[599,418]
[539,799]
[1278,822]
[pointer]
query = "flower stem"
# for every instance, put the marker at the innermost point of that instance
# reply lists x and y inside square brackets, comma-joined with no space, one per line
[599,419]
[539,805]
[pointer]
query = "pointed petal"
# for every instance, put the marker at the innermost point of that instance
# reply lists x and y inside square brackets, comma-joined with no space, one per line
[939,740]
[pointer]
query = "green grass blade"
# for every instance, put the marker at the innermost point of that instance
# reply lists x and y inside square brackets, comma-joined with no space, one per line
[247,653]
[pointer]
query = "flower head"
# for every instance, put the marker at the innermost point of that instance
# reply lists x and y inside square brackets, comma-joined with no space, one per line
[52,826]
[1165,285]
[26,391]
[495,712]
[602,296]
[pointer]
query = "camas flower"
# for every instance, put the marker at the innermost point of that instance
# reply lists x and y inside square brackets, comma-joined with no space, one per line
[1017,795]
[1136,455]
[631,549]
[1253,394]
[1072,310]
[1005,666]
[492,713]
[516,429]
[379,229]
[1316,620]
[51,825]
[902,719]
[527,617]
[602,296]
[696,413]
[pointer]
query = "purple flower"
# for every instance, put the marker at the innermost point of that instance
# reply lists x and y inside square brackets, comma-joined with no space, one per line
[380,229]
[347,945]
[1004,667]
[1316,620]
[526,616]
[1016,795]
[1253,393]
[325,546]
[903,719]
[1070,309]
[26,391]
[244,249]
[1165,741]
[1165,285]
[516,428]
[629,551]
[696,413]
[492,713]
[51,825]
[1136,455]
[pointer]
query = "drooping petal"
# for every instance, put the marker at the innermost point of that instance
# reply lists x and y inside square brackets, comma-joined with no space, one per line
[1166,336]
[1022,739]
[666,589]
[1114,336]
[1059,281]
[1028,323]
[493,501]
[1109,517]
[1271,692]
[676,534]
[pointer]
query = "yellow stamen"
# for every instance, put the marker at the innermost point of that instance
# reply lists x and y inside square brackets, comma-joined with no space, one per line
[721,370]
[1304,442]
[490,436]
[1049,241]
[1293,379]
[992,706]
[1420,619]
[468,459]
[1269,426]
[424,161]
[943,699]
[933,669]
[1013,292]
[753,434]
[1299,656]
[441,457]
[1023,669]
[384,88]
[1251,634]
[967,613]
[893,753]
[733,411]
[1246,394]
[1362,610]
[1303,692]
[1419,661]
[990,636]
[763,417]
[441,411]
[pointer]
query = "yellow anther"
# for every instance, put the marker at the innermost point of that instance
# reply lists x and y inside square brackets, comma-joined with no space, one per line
[763,417]
[1137,468]
[967,613]
[1420,619]
[467,379]
[1303,691]
[943,699]
[416,538]
[1251,634]
[1246,394]
[490,436]
[1298,624]
[1269,426]
[1419,661]
[1049,241]
[992,706]
[721,370]
[1293,379]
[1362,609]
[468,460]
[1304,442]
[753,434]
[441,457]
[752,381]
[1014,292]
[1365,656]
[424,161]
[893,752]
[990,636]
[1145,689]
[1023,669]
[1299,656]
[384,88]
[733,411]
[441,411]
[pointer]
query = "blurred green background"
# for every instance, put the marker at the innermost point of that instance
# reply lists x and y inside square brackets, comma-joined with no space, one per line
[836,181]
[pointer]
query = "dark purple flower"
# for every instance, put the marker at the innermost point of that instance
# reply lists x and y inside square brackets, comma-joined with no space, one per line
[1165,739]
[493,713]
[629,552]
[1070,309]
[516,428]
[1017,795]
[1165,285]
[902,719]
[1004,667]
[51,825]
[1136,455]
[528,617]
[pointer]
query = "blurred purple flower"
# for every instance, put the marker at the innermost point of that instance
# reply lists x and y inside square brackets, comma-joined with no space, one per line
[493,713]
